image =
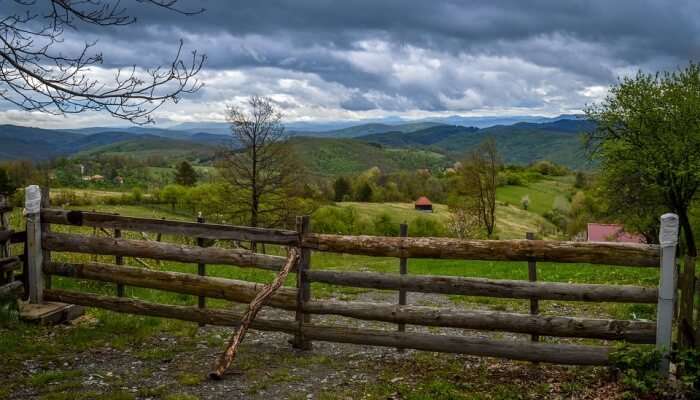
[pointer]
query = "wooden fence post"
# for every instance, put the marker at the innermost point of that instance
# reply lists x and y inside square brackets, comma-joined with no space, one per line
[303,286]
[686,335]
[668,239]
[46,228]
[201,268]
[32,206]
[403,270]
[532,277]
[119,260]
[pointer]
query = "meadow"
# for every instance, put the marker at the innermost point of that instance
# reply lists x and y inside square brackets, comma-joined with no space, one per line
[142,337]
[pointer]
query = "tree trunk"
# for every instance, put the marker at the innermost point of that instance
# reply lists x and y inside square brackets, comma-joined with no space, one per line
[687,232]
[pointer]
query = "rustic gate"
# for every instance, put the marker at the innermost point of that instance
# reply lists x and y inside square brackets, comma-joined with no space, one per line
[41,242]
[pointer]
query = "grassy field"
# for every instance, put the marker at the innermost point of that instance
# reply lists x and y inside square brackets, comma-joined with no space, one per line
[131,333]
[512,222]
[544,194]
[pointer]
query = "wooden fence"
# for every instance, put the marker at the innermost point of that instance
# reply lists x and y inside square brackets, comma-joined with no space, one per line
[11,281]
[300,301]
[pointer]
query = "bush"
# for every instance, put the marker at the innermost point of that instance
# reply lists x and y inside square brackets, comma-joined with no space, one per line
[638,370]
[423,226]
[337,220]
[385,226]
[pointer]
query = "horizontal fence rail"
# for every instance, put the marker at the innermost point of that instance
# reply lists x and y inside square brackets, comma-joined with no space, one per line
[184,228]
[624,254]
[294,300]
[525,351]
[11,290]
[285,298]
[499,288]
[162,251]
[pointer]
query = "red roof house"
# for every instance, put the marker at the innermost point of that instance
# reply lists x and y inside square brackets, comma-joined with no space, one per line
[423,204]
[611,233]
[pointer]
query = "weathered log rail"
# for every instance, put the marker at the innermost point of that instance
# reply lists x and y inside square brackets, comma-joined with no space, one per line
[163,251]
[525,351]
[285,298]
[624,254]
[499,288]
[11,284]
[303,305]
[184,228]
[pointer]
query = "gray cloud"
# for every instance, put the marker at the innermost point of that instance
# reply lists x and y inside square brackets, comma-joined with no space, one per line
[365,57]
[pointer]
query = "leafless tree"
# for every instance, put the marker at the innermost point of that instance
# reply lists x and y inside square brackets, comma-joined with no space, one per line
[479,179]
[260,165]
[36,75]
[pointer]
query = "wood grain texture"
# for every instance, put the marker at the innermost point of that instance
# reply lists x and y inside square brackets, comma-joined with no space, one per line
[516,350]
[227,357]
[285,298]
[163,251]
[624,254]
[489,287]
[184,228]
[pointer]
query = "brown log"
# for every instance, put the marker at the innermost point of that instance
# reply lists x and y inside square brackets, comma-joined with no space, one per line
[8,264]
[11,290]
[284,298]
[5,235]
[254,307]
[18,237]
[517,350]
[208,286]
[164,251]
[191,229]
[608,329]
[489,287]
[626,254]
[686,284]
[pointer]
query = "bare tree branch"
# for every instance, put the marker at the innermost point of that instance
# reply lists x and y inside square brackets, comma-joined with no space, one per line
[36,77]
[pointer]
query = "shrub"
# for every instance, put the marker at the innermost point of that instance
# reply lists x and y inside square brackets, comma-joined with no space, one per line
[423,226]
[337,220]
[385,226]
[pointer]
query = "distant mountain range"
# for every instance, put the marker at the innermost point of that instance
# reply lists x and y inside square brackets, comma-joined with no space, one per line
[554,139]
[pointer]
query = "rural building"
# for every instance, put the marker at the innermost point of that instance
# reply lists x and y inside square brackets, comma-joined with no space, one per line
[611,233]
[119,180]
[423,204]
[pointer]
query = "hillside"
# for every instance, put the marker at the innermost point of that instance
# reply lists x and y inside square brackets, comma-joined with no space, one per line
[429,144]
[329,157]
[147,145]
[522,143]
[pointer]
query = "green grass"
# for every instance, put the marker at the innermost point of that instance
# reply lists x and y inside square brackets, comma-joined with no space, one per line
[543,194]
[512,222]
[127,332]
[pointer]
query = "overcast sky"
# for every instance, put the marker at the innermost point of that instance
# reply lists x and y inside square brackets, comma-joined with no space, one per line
[331,60]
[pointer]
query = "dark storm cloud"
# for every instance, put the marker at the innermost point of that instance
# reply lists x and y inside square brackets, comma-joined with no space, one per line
[401,55]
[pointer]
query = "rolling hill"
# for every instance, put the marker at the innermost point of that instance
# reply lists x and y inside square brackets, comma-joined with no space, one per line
[523,143]
[390,146]
[328,157]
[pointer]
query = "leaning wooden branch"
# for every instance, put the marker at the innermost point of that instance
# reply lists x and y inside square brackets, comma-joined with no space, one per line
[260,299]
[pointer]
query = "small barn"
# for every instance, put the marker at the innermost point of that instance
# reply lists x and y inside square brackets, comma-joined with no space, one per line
[424,204]
[611,233]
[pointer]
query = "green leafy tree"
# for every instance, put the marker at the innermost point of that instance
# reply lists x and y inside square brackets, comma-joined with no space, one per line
[364,193]
[7,187]
[172,194]
[647,139]
[342,188]
[185,175]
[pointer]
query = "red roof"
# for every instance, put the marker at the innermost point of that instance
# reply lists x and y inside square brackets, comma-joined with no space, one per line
[423,201]
[612,233]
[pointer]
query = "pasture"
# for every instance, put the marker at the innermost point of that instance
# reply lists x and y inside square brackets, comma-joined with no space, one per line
[116,356]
